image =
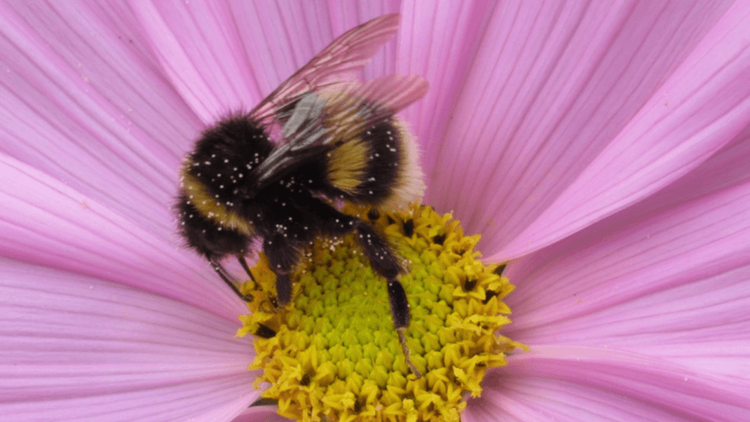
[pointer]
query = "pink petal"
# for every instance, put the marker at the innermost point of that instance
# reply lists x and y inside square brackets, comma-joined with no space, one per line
[447,33]
[348,14]
[574,383]
[225,58]
[191,401]
[77,347]
[46,223]
[702,106]
[549,87]
[260,414]
[82,98]
[202,54]
[669,276]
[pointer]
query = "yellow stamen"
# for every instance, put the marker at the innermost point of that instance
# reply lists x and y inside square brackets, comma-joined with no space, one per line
[336,354]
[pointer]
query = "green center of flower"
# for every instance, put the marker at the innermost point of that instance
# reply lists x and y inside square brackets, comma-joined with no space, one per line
[334,353]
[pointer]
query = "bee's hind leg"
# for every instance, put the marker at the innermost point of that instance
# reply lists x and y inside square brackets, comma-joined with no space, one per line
[224,274]
[383,261]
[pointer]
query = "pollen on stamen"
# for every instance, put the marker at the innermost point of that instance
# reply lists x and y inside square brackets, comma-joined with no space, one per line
[336,354]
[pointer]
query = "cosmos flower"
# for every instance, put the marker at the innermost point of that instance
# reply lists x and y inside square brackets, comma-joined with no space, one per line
[601,149]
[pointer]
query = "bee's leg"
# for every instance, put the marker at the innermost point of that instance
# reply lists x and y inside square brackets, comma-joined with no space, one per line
[383,262]
[241,258]
[400,317]
[382,259]
[282,256]
[224,274]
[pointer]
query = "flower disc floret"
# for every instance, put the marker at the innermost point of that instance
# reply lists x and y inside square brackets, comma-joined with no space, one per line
[335,353]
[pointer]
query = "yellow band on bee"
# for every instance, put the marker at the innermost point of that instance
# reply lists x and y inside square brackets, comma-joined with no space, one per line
[347,165]
[209,207]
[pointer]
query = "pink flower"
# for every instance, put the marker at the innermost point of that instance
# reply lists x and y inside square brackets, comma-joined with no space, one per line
[601,149]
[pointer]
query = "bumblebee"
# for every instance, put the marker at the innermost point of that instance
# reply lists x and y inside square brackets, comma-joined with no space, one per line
[276,173]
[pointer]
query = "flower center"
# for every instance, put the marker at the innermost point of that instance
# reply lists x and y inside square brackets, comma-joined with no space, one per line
[334,353]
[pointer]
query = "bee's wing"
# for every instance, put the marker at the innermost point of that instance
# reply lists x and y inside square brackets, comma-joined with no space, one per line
[322,120]
[352,110]
[349,52]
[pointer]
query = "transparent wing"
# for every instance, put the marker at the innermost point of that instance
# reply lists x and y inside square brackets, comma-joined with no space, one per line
[342,114]
[320,120]
[350,51]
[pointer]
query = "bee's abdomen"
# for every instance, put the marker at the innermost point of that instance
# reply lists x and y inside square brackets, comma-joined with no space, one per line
[379,167]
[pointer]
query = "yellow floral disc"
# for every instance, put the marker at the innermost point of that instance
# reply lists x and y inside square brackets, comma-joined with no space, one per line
[333,353]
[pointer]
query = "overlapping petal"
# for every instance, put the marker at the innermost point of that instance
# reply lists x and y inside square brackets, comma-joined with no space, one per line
[666,278]
[549,89]
[82,98]
[212,52]
[577,383]
[45,222]
[642,315]
[76,347]
[700,108]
